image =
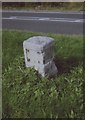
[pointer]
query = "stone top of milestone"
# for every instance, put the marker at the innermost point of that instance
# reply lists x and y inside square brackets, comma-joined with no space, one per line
[38,42]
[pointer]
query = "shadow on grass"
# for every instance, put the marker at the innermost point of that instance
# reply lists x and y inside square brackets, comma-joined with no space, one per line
[66,65]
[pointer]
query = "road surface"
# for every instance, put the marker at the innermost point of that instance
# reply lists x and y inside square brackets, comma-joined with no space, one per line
[46,22]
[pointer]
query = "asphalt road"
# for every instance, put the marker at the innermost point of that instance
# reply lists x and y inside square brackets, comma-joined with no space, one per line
[46,22]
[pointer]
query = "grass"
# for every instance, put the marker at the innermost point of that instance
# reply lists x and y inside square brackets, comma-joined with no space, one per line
[44,9]
[0,73]
[27,95]
[66,6]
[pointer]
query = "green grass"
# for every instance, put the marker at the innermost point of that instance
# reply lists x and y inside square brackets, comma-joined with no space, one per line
[0,73]
[66,6]
[27,95]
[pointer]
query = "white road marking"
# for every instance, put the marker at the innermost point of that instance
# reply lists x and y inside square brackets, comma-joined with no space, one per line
[45,19]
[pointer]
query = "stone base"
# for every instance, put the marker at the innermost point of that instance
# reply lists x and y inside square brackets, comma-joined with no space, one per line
[38,52]
[48,69]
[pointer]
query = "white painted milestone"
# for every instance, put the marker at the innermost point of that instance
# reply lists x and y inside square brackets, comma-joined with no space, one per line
[38,53]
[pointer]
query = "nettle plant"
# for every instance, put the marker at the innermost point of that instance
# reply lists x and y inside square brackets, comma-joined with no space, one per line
[27,95]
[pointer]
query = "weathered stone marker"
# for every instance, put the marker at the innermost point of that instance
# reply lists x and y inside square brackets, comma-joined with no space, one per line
[38,52]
